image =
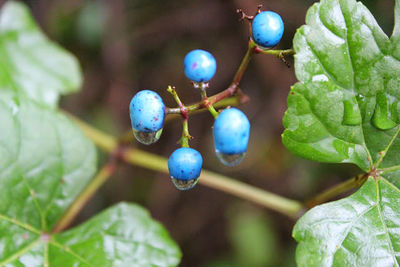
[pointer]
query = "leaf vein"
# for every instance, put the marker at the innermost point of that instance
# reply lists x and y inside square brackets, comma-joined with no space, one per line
[25,181]
[62,172]
[330,76]
[348,228]
[383,154]
[384,224]
[71,252]
[354,82]
[321,122]
[20,224]
[20,252]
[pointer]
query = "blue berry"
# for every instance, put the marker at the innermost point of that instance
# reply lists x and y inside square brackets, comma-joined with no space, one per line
[199,66]
[184,167]
[231,136]
[267,28]
[147,112]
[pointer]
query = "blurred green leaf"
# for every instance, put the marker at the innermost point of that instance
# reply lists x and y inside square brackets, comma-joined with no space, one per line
[30,63]
[253,238]
[46,161]
[222,263]
[344,109]
[91,22]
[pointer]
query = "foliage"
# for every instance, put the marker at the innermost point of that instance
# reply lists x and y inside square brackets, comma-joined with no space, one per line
[345,108]
[46,161]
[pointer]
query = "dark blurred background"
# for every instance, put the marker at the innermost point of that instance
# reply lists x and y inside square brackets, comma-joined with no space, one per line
[129,45]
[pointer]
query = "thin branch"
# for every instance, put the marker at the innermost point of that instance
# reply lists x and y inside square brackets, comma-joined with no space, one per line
[291,208]
[216,181]
[274,52]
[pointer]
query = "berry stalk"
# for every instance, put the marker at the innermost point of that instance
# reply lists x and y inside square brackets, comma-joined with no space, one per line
[207,103]
[243,65]
[182,108]
[184,141]
[233,90]
[228,92]
[174,113]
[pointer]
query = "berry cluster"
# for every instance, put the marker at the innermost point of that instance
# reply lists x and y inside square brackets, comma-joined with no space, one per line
[231,128]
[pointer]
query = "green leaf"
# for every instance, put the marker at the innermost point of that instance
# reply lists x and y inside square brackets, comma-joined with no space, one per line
[124,235]
[345,106]
[45,161]
[345,109]
[30,63]
[361,230]
[396,31]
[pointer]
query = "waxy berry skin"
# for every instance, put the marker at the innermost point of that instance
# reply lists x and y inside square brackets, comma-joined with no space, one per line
[267,29]
[185,164]
[199,65]
[147,112]
[231,132]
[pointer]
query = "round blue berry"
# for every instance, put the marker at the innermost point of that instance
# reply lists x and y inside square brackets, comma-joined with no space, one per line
[185,164]
[147,112]
[231,135]
[199,65]
[267,28]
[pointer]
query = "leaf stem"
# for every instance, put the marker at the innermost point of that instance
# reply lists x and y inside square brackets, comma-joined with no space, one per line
[336,190]
[291,208]
[102,176]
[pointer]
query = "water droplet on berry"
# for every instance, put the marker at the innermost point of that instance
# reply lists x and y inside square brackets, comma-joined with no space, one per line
[147,138]
[184,184]
[230,159]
